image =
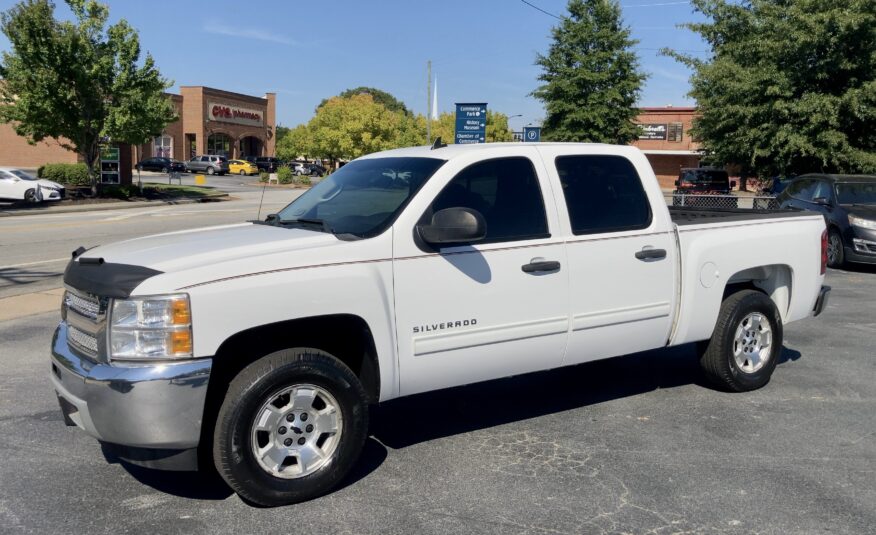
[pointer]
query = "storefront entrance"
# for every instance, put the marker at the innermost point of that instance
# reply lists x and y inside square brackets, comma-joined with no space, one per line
[250,146]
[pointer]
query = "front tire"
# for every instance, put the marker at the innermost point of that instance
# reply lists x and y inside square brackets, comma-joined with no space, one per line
[835,251]
[242,172]
[746,344]
[291,427]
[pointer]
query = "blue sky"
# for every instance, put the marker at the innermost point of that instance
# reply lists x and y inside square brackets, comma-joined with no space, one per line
[481,50]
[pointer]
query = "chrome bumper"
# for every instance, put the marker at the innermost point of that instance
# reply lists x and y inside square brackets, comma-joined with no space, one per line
[155,406]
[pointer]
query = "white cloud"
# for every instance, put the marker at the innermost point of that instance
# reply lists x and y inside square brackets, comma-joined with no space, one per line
[220,28]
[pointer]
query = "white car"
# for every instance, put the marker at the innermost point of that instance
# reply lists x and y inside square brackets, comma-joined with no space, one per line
[259,346]
[16,185]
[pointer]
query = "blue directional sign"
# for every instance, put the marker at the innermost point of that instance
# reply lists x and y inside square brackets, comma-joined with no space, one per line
[531,134]
[471,123]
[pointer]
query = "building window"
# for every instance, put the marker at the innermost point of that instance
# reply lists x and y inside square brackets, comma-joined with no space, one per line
[219,144]
[162,147]
[676,131]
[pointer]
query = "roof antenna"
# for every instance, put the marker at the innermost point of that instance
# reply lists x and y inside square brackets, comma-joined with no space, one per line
[438,144]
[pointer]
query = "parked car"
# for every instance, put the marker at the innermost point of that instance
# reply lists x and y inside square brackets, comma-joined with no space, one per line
[210,164]
[707,182]
[409,271]
[242,167]
[161,165]
[16,185]
[314,170]
[269,164]
[777,185]
[848,204]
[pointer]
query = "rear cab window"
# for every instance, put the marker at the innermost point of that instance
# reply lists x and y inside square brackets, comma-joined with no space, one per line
[603,194]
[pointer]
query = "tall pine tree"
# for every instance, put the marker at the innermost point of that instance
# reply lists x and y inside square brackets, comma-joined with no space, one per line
[591,76]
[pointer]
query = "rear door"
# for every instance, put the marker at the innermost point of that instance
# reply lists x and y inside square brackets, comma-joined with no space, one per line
[472,312]
[621,253]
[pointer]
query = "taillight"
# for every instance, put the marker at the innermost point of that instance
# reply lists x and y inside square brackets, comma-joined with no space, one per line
[824,252]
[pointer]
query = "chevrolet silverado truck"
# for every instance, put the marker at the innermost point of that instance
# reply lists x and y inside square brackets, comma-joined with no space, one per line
[257,348]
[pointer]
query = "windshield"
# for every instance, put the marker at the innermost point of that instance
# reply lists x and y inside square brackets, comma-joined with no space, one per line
[21,174]
[856,192]
[363,197]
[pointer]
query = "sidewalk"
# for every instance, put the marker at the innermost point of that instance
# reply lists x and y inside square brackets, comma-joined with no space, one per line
[19,306]
[121,205]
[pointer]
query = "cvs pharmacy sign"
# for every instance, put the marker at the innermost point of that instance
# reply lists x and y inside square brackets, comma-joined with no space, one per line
[234,114]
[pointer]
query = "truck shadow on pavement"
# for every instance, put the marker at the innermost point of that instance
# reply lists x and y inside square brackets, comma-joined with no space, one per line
[424,417]
[17,276]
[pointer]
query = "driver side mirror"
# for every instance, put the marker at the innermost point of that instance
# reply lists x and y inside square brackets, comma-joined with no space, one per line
[823,201]
[454,225]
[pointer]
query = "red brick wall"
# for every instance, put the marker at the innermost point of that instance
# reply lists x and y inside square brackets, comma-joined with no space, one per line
[15,151]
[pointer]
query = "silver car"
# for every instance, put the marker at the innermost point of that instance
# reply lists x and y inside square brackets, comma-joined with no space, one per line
[211,164]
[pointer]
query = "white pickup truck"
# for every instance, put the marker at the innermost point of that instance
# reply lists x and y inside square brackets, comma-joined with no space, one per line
[258,347]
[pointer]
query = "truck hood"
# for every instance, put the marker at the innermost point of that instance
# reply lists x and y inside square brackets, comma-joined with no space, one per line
[867,211]
[178,251]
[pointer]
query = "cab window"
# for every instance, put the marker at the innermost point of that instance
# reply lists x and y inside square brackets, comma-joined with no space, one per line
[506,192]
[603,194]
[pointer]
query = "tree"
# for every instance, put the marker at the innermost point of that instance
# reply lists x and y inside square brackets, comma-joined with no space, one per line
[295,144]
[381,97]
[497,127]
[789,86]
[346,128]
[281,132]
[591,76]
[79,82]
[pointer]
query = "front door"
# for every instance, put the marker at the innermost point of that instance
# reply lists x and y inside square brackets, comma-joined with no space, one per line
[474,312]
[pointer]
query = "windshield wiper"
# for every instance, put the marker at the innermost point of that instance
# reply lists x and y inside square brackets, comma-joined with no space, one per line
[323,226]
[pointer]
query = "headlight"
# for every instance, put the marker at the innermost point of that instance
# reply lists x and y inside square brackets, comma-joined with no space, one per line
[151,328]
[861,222]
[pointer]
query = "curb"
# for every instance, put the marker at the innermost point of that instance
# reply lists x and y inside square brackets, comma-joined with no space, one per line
[110,206]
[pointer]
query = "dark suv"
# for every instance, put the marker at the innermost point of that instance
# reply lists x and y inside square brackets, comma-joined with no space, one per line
[848,204]
[268,163]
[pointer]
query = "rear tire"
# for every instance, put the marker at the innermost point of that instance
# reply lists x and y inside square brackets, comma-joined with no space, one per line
[835,253]
[746,344]
[164,170]
[267,449]
[242,172]
[210,170]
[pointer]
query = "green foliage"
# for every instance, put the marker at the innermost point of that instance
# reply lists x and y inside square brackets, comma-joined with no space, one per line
[78,81]
[74,174]
[304,180]
[295,144]
[285,175]
[121,192]
[591,76]
[790,87]
[263,176]
[381,97]
[281,132]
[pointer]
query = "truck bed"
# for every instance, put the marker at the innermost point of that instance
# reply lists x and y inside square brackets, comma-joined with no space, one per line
[682,215]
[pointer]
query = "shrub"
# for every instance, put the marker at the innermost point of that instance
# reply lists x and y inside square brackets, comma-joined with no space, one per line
[116,191]
[285,175]
[304,180]
[74,174]
[263,176]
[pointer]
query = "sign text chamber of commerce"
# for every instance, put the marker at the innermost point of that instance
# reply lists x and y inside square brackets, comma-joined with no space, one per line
[471,123]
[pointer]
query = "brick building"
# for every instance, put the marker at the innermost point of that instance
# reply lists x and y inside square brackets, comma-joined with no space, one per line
[211,121]
[666,142]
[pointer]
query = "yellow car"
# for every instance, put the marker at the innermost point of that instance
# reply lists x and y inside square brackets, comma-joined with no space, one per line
[241,167]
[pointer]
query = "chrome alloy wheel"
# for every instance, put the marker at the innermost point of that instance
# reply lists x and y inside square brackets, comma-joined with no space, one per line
[752,343]
[296,431]
[834,248]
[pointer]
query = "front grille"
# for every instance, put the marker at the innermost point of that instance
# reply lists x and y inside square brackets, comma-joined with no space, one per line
[82,340]
[84,306]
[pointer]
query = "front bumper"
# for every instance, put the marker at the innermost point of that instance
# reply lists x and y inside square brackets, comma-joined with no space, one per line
[156,406]
[821,302]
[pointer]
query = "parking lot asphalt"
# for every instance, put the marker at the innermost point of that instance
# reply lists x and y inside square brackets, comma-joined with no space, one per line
[635,444]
